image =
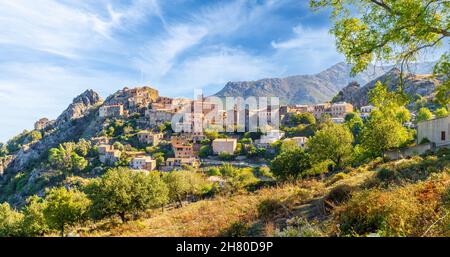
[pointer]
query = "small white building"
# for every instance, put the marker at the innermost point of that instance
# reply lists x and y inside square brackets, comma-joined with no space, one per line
[436,131]
[269,138]
[301,141]
[143,163]
[224,145]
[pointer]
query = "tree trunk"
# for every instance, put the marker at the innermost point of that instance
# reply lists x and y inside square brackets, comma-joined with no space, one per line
[122,217]
[179,201]
[62,231]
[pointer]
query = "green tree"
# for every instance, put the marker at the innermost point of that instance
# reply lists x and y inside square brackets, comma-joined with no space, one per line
[159,157]
[83,147]
[122,191]
[182,184]
[10,221]
[290,164]
[303,118]
[441,112]
[355,124]
[35,136]
[381,134]
[65,208]
[333,142]
[34,223]
[386,30]
[205,151]
[211,134]
[424,114]
[288,144]
[403,115]
[66,159]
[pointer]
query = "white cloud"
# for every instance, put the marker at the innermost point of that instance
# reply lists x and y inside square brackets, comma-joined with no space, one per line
[57,28]
[158,57]
[309,50]
[212,70]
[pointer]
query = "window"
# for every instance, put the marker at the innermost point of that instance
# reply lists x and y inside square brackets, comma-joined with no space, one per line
[443,135]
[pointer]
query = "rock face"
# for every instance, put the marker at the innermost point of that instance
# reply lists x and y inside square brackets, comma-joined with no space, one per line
[80,105]
[413,84]
[69,126]
[301,89]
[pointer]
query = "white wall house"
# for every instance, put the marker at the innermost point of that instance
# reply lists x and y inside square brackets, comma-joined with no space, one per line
[437,131]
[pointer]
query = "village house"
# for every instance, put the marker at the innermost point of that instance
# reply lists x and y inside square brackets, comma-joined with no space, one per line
[110,156]
[178,163]
[108,111]
[365,111]
[269,138]
[339,110]
[436,131]
[318,110]
[149,138]
[143,163]
[157,117]
[183,147]
[301,141]
[224,145]
[100,140]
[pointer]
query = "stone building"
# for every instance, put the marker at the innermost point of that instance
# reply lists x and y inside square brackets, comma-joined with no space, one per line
[143,163]
[150,138]
[111,111]
[224,145]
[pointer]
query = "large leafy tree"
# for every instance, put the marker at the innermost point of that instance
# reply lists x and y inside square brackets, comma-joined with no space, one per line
[333,142]
[67,159]
[291,164]
[10,221]
[65,208]
[182,184]
[122,191]
[390,31]
[386,29]
[382,133]
[34,223]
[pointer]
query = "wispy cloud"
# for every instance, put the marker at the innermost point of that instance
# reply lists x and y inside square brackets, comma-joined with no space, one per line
[52,50]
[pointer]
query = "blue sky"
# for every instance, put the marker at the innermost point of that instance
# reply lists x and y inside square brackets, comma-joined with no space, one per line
[51,51]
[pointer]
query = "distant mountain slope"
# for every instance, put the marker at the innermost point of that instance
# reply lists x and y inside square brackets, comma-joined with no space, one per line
[301,89]
[305,89]
[423,85]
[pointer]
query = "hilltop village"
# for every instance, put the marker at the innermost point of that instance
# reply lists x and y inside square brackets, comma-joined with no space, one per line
[138,130]
[152,117]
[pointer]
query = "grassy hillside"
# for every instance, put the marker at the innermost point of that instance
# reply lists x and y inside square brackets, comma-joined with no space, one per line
[408,197]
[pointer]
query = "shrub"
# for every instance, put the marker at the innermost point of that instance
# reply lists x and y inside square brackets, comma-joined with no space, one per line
[299,227]
[269,208]
[338,195]
[237,229]
[400,211]
[10,221]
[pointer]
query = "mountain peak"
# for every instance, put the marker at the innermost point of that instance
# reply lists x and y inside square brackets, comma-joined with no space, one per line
[79,106]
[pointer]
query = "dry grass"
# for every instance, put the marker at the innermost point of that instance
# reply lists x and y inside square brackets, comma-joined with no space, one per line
[204,218]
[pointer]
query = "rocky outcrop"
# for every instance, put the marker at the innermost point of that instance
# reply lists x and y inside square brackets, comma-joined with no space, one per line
[80,105]
[413,85]
[71,125]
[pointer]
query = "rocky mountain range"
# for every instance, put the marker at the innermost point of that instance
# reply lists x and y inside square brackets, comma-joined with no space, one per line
[306,89]
[413,84]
